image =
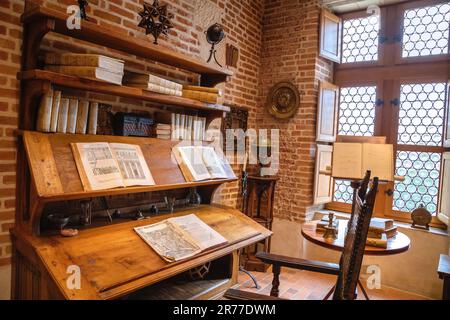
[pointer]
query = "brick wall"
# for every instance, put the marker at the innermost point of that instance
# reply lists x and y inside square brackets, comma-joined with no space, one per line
[241,19]
[278,40]
[290,53]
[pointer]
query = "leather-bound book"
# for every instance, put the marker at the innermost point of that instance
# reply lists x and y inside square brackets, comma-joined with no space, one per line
[72,116]
[63,114]
[82,117]
[44,118]
[93,117]
[55,111]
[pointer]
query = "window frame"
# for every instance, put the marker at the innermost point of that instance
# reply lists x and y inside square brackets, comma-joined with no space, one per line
[388,73]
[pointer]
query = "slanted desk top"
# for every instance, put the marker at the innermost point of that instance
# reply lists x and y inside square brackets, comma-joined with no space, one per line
[114,261]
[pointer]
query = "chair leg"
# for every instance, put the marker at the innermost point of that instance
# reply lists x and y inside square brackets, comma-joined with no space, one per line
[276,281]
[329,293]
[363,290]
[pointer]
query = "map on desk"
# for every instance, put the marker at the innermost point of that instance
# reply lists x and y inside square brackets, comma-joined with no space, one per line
[180,238]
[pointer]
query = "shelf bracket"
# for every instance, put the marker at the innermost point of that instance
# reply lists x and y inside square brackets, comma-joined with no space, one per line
[34,32]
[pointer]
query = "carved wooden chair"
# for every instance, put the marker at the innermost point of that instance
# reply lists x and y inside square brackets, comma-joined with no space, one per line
[348,269]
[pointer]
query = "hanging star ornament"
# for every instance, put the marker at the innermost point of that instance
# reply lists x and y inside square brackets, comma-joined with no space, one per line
[156,20]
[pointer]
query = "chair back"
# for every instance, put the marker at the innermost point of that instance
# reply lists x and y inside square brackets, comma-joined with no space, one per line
[355,240]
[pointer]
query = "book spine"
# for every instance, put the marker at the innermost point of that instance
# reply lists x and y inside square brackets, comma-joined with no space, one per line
[164,90]
[63,114]
[44,118]
[378,243]
[93,118]
[201,96]
[55,111]
[203,129]
[72,116]
[202,89]
[172,125]
[164,83]
[182,126]
[82,117]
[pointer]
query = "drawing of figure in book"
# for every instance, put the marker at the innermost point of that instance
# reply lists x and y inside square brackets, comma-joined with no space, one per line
[96,158]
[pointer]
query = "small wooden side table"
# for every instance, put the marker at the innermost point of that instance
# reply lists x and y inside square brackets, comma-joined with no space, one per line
[259,207]
[444,274]
[399,244]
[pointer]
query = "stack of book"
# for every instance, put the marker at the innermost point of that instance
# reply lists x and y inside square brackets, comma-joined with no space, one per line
[164,131]
[152,83]
[66,115]
[203,94]
[91,66]
[186,127]
[379,226]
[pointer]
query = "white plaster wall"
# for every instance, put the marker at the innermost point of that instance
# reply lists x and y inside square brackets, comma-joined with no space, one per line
[5,282]
[414,271]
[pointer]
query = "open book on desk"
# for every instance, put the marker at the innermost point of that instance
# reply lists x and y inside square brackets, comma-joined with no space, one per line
[180,238]
[200,163]
[104,165]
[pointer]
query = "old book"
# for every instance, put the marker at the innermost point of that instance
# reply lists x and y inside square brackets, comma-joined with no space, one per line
[164,137]
[44,117]
[180,238]
[201,96]
[93,117]
[156,88]
[86,60]
[89,73]
[382,223]
[378,243]
[163,132]
[133,78]
[204,89]
[163,126]
[198,163]
[82,117]
[390,233]
[173,126]
[111,165]
[55,111]
[352,160]
[63,114]
[72,116]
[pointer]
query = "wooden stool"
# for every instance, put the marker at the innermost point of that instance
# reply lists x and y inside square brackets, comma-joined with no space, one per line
[444,273]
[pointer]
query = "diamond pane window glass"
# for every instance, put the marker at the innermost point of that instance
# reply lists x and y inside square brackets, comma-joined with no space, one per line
[421,117]
[426,31]
[343,191]
[357,111]
[360,39]
[421,185]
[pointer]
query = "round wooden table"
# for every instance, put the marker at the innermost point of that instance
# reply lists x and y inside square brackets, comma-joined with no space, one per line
[398,244]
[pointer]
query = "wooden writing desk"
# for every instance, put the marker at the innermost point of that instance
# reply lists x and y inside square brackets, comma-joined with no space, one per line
[114,261]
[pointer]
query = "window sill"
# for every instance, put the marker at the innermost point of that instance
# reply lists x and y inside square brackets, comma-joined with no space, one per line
[401,225]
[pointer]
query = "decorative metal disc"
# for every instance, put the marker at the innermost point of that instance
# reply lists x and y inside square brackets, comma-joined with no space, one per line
[283,100]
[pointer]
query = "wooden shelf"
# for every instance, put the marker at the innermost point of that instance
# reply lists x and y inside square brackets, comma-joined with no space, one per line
[112,89]
[119,39]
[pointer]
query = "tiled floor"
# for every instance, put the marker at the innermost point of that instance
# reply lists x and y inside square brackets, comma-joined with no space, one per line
[304,285]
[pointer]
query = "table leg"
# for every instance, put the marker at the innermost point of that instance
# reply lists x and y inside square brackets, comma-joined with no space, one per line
[363,290]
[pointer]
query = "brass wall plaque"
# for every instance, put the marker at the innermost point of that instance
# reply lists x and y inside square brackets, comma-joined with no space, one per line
[283,100]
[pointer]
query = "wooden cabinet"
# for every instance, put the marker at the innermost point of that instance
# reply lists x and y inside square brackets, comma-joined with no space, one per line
[330,36]
[327,112]
[113,262]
